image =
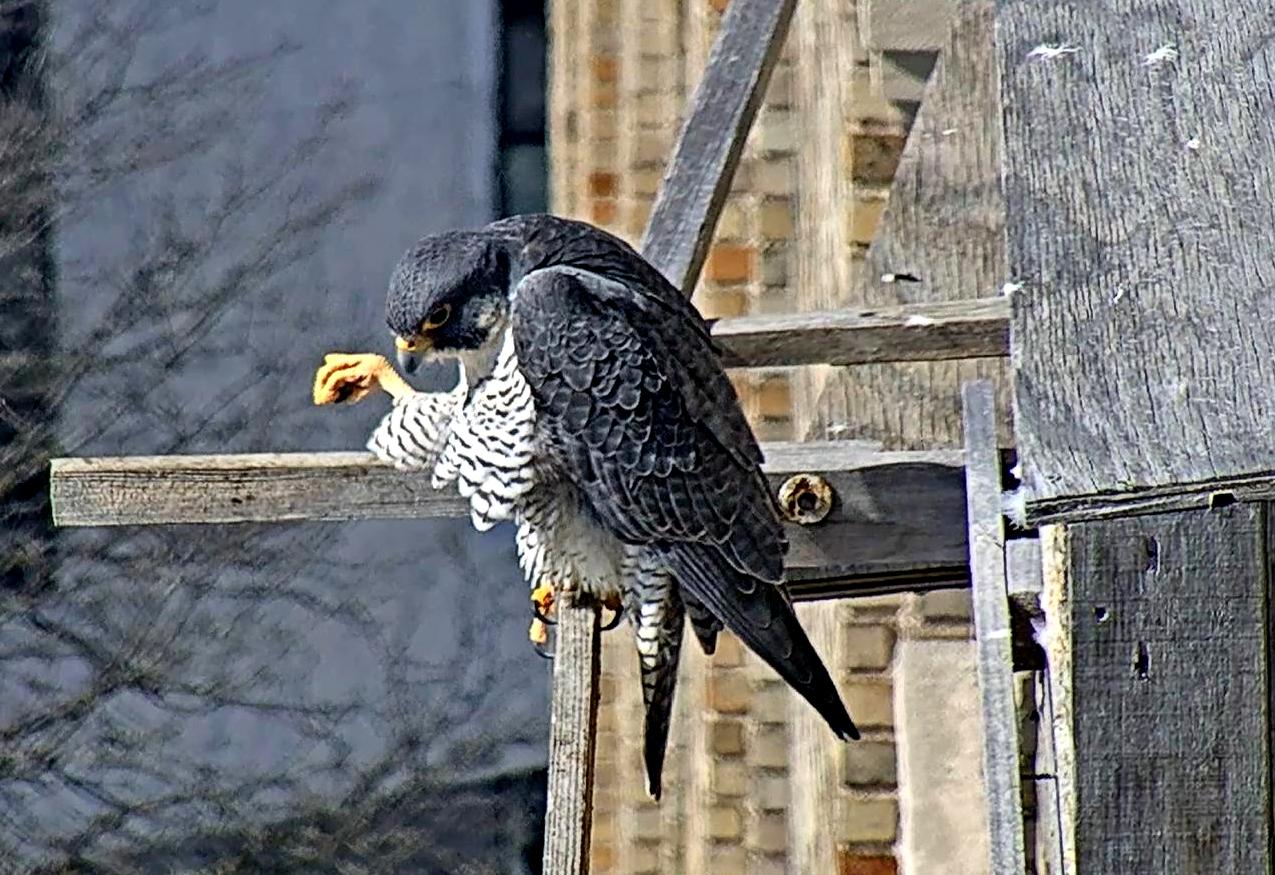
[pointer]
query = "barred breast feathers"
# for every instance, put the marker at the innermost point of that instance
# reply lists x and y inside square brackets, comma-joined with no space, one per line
[412,435]
[490,447]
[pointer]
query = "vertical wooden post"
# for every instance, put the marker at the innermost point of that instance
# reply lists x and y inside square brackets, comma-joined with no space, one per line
[683,219]
[569,819]
[991,629]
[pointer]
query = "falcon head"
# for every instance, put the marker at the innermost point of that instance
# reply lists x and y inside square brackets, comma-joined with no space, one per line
[449,295]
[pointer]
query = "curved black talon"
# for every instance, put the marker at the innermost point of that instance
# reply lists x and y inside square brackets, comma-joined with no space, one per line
[542,651]
[535,612]
[614,621]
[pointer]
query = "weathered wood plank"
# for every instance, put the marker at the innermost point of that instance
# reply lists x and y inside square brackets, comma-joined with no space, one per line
[896,514]
[931,331]
[905,25]
[1170,688]
[992,631]
[1056,600]
[572,736]
[1140,182]
[943,232]
[699,175]
[1023,576]
[1255,486]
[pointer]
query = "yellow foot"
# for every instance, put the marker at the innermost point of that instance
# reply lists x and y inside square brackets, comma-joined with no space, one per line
[352,377]
[542,598]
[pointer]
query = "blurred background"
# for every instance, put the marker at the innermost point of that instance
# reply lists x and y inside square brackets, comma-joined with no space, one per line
[197,201]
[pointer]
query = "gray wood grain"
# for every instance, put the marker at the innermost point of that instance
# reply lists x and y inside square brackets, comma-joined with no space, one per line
[1171,692]
[698,178]
[933,331]
[572,736]
[944,226]
[1255,486]
[898,517]
[1141,199]
[992,631]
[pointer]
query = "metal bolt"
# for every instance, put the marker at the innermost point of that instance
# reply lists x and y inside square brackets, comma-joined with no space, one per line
[805,499]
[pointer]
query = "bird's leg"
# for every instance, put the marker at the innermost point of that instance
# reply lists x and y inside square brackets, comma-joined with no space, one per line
[542,598]
[352,377]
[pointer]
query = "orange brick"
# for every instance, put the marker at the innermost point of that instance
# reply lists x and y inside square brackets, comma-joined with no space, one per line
[603,184]
[604,211]
[851,863]
[726,737]
[728,263]
[605,68]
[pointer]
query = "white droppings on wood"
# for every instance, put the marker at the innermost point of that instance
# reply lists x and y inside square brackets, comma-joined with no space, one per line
[1165,54]
[1009,287]
[1052,51]
[918,321]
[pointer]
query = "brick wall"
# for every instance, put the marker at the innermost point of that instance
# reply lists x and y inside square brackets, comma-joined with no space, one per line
[752,774]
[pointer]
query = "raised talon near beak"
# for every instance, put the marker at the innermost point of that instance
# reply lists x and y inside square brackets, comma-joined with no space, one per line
[345,377]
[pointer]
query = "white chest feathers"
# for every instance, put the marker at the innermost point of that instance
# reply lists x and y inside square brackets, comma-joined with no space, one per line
[485,442]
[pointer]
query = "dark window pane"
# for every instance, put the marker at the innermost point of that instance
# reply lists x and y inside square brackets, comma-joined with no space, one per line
[524,178]
[524,78]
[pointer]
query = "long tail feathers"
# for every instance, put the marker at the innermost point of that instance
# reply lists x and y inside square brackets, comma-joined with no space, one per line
[760,615]
[658,617]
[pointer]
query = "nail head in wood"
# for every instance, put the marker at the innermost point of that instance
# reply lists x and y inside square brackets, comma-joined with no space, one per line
[806,499]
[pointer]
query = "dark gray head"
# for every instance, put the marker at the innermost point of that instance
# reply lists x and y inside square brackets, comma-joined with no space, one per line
[448,295]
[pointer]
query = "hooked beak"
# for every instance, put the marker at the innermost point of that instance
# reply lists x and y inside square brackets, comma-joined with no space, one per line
[408,351]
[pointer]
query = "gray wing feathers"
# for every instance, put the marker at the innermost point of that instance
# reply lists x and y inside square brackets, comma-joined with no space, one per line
[650,445]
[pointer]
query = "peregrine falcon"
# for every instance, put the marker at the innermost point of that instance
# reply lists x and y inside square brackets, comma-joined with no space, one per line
[593,412]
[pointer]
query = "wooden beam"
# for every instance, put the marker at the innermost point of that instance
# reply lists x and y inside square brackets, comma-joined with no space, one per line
[1171,692]
[992,631]
[721,114]
[896,514]
[1211,494]
[1140,181]
[929,331]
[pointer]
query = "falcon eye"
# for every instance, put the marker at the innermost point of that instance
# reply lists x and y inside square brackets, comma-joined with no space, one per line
[437,317]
